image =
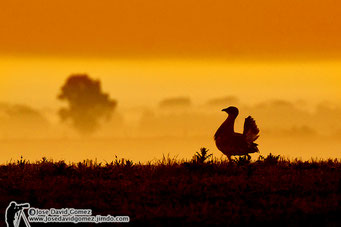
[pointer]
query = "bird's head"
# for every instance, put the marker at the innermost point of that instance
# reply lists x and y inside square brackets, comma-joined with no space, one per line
[233,111]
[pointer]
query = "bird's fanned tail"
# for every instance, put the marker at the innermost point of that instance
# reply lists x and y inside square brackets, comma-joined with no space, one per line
[250,130]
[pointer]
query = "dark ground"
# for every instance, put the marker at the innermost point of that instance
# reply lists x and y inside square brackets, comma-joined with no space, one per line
[269,191]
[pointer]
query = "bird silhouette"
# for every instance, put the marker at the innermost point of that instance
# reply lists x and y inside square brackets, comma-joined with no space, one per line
[231,143]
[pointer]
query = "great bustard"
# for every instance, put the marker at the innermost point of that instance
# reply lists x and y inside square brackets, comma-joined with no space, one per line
[231,143]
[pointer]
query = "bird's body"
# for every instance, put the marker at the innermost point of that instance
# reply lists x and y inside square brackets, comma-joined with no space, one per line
[231,143]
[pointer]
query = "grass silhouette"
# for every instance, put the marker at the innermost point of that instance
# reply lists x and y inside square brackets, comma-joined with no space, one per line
[271,190]
[202,156]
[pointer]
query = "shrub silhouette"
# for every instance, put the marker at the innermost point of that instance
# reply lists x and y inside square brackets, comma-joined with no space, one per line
[242,160]
[87,104]
[22,162]
[120,162]
[202,156]
[272,159]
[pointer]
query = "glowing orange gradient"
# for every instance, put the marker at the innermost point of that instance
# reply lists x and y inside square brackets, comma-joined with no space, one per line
[220,28]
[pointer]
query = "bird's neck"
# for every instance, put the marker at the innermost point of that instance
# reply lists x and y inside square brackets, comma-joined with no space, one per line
[229,124]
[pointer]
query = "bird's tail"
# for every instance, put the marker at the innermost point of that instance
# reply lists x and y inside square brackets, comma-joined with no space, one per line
[251,130]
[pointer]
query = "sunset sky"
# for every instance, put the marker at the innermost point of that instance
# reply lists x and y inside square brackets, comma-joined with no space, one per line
[146,51]
[171,28]
[190,48]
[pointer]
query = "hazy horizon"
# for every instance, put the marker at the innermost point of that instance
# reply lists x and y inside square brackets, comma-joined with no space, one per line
[146,133]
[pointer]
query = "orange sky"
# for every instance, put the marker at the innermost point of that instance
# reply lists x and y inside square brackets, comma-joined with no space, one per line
[45,36]
[220,28]
[135,82]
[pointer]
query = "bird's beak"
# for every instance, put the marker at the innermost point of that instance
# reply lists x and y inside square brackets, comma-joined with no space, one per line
[223,110]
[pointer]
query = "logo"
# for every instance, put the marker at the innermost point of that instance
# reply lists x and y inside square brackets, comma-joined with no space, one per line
[15,213]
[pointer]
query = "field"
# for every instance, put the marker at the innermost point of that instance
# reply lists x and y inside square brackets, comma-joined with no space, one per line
[269,191]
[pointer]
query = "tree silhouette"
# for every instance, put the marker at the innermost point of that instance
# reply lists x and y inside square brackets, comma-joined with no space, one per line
[87,104]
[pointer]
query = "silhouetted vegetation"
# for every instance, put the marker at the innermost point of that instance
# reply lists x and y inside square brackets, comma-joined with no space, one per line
[242,160]
[87,103]
[269,191]
[202,156]
[270,159]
